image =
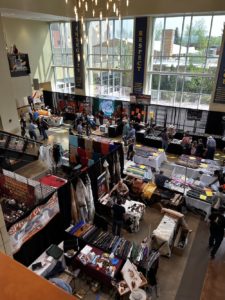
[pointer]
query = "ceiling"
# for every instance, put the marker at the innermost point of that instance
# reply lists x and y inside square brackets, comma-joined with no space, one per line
[21,14]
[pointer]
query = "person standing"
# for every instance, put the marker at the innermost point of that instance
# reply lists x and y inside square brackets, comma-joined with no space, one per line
[80,128]
[43,127]
[217,226]
[186,143]
[200,149]
[118,217]
[165,139]
[131,141]
[101,117]
[35,115]
[211,148]
[31,129]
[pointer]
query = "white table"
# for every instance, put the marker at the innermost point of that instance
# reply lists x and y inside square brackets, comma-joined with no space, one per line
[163,235]
[199,204]
[154,161]
[48,266]
[54,121]
[147,174]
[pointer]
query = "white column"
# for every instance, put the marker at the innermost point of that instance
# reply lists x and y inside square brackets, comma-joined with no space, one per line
[8,110]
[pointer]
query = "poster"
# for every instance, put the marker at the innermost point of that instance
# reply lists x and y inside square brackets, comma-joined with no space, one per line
[102,185]
[22,231]
[139,54]
[19,65]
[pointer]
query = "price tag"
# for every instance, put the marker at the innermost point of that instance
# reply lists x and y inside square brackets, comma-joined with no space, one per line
[139,146]
[203,197]
[209,193]
[161,150]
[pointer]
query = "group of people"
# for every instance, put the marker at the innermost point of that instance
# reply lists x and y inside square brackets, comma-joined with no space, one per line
[36,121]
[191,147]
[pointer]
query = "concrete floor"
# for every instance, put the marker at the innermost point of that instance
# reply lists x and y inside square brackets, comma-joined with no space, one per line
[172,270]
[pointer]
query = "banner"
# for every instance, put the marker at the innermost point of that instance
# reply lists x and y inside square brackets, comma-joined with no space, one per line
[140,99]
[219,96]
[139,54]
[22,231]
[19,64]
[77,55]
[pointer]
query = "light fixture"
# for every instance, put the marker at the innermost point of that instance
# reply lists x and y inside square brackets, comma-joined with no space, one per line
[84,8]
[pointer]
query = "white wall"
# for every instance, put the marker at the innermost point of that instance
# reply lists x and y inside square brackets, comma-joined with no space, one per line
[8,111]
[32,37]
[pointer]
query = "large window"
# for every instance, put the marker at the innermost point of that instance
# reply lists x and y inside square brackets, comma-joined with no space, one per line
[62,57]
[109,61]
[183,59]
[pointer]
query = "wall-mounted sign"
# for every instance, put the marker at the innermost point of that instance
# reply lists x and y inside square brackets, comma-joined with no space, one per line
[140,99]
[139,54]
[77,55]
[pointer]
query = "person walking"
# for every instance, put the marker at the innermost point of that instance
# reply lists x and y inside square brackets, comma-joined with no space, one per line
[211,148]
[31,130]
[80,128]
[165,139]
[217,226]
[200,149]
[118,217]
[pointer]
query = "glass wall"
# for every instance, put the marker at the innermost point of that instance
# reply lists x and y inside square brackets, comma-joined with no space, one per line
[109,48]
[183,59]
[62,60]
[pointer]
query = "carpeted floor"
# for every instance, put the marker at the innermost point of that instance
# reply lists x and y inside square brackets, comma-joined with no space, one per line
[194,273]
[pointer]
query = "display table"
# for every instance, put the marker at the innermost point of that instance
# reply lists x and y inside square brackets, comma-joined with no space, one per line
[54,121]
[134,211]
[153,141]
[104,129]
[97,264]
[47,265]
[137,171]
[151,157]
[53,181]
[199,204]
[163,235]
[175,147]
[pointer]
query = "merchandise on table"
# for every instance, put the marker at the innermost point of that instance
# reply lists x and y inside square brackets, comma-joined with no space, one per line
[134,211]
[137,171]
[100,261]
[151,157]
[201,194]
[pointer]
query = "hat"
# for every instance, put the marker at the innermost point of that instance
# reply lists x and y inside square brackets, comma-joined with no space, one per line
[138,294]
[210,137]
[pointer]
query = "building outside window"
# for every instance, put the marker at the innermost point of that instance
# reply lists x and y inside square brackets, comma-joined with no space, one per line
[62,60]
[183,60]
[109,63]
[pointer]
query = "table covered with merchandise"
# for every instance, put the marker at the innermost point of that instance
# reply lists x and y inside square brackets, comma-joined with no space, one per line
[151,157]
[54,121]
[98,264]
[137,171]
[199,164]
[134,211]
[200,198]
